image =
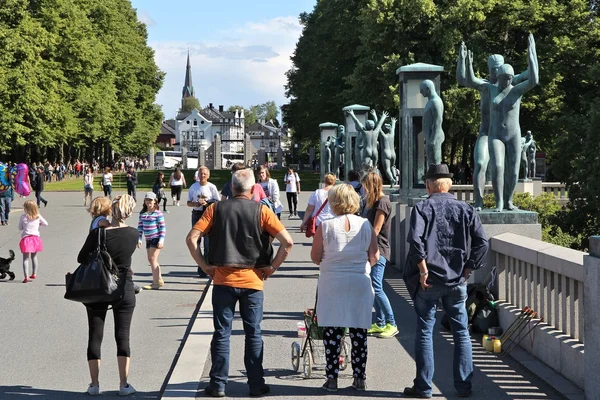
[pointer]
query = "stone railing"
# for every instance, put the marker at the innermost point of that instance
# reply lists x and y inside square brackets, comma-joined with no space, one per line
[556,188]
[465,192]
[550,280]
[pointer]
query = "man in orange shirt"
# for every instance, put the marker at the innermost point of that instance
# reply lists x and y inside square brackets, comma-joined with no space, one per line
[239,262]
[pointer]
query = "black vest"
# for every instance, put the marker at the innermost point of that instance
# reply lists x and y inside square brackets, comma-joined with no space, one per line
[236,237]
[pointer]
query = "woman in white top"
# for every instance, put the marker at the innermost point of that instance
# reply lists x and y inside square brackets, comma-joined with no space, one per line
[107,178]
[292,190]
[177,183]
[315,202]
[88,185]
[271,188]
[344,247]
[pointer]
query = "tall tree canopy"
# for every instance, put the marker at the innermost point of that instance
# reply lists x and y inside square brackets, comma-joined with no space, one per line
[76,75]
[350,49]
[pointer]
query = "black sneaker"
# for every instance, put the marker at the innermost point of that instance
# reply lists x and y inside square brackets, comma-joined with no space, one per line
[214,392]
[416,393]
[260,390]
[330,385]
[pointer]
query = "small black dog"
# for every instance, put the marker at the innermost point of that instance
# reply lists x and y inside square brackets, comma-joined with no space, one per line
[5,266]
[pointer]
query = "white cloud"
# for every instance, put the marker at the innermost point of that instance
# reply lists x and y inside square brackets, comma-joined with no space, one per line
[245,66]
[144,16]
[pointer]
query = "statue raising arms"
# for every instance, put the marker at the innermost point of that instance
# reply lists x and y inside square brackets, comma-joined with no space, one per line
[388,152]
[504,143]
[432,123]
[368,135]
[482,154]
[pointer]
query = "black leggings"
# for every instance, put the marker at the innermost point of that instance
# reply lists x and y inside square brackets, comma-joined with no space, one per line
[122,313]
[176,192]
[164,200]
[292,197]
[332,339]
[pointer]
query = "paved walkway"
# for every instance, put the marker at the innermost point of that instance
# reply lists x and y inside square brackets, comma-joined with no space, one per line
[44,336]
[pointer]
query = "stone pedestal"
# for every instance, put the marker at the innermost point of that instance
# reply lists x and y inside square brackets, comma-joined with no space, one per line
[248,150]
[261,156]
[311,157]
[217,159]
[279,158]
[152,158]
[591,264]
[519,222]
[201,156]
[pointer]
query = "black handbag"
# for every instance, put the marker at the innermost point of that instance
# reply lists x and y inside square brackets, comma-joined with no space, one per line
[97,279]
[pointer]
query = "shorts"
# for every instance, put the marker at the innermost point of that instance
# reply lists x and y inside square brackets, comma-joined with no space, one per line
[152,243]
[88,189]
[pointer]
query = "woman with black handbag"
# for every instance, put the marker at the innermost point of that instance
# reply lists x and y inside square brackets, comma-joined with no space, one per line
[121,241]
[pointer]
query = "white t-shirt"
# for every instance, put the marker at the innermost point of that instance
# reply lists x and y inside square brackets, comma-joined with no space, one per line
[290,182]
[176,182]
[107,179]
[207,192]
[317,199]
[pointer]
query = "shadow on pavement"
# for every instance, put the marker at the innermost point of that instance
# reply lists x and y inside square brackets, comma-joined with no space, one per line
[27,392]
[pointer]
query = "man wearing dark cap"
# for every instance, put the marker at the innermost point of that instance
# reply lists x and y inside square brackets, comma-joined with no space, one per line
[447,243]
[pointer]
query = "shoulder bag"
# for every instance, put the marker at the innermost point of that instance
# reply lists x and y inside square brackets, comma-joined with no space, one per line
[97,279]
[311,223]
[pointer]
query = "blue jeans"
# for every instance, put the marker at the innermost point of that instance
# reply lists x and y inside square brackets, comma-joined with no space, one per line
[195,218]
[5,208]
[383,309]
[453,301]
[224,299]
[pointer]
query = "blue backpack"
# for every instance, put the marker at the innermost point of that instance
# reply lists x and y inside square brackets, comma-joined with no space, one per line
[268,203]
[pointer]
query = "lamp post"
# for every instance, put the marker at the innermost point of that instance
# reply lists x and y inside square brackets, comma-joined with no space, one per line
[412,140]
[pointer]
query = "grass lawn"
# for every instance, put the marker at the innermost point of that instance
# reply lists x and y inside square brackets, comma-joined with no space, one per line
[309,180]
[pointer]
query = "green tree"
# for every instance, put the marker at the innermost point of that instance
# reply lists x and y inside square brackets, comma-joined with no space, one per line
[189,103]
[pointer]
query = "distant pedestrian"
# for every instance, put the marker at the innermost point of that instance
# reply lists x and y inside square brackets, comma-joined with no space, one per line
[446,243]
[31,243]
[292,190]
[159,191]
[152,226]
[239,269]
[132,182]
[202,194]
[271,189]
[88,185]
[107,179]
[121,243]
[177,184]
[319,203]
[6,198]
[39,186]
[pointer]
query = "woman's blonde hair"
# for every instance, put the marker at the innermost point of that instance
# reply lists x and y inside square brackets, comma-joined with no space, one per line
[262,168]
[343,199]
[31,209]
[100,206]
[122,207]
[373,185]
[329,179]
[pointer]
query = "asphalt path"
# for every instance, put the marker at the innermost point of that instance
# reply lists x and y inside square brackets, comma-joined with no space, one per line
[44,337]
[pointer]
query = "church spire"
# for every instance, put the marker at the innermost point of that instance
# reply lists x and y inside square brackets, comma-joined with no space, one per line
[188,88]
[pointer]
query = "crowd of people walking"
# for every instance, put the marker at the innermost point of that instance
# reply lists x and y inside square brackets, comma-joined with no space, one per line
[351,247]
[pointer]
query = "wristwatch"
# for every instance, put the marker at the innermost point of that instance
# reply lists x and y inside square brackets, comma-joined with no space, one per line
[424,273]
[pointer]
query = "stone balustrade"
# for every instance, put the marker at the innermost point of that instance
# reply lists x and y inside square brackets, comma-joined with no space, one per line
[549,279]
[557,189]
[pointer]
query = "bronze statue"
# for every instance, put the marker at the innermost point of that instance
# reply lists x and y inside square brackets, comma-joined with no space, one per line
[481,154]
[367,137]
[526,143]
[340,146]
[504,141]
[432,123]
[388,152]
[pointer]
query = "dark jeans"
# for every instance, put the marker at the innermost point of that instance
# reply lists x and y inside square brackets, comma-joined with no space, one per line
[39,198]
[107,190]
[196,215]
[5,208]
[224,299]
[453,301]
[292,199]
[131,191]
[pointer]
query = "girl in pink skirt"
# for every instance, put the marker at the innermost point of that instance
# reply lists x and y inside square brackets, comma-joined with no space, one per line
[31,243]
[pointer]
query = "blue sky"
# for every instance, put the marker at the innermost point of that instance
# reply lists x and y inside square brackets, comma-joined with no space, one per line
[239,50]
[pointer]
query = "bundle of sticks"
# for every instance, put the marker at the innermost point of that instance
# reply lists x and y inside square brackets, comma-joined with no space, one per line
[513,333]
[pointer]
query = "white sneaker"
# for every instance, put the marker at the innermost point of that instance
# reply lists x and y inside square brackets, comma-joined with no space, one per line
[93,390]
[126,390]
[173,201]
[177,204]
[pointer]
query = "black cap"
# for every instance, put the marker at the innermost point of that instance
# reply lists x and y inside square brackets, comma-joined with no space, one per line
[437,171]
